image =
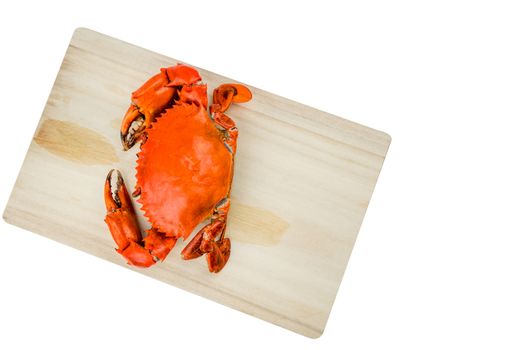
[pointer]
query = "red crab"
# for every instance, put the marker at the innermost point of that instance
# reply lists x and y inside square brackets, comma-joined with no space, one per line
[184,169]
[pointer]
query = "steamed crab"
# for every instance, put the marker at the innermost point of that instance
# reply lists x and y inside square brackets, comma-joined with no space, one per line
[184,169]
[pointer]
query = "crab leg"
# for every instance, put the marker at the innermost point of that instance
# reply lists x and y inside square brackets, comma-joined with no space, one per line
[223,97]
[226,94]
[217,251]
[123,226]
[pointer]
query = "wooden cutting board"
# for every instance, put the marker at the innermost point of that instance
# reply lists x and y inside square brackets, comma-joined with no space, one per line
[303,180]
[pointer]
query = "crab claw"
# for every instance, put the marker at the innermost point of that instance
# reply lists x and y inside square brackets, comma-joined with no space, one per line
[132,127]
[122,223]
[194,94]
[154,96]
[181,74]
[118,198]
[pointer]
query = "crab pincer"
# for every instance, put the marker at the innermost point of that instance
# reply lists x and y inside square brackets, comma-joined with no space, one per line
[123,226]
[152,98]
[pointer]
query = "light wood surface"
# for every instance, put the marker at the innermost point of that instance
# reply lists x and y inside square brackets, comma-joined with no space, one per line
[303,180]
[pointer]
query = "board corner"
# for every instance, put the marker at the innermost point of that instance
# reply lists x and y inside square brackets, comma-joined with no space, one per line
[6,214]
[81,31]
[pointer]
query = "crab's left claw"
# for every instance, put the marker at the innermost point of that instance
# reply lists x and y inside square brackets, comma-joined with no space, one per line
[120,212]
[122,223]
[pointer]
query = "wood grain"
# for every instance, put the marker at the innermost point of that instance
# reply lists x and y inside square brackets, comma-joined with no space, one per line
[303,180]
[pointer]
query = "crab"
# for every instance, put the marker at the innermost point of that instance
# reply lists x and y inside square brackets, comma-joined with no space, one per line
[184,169]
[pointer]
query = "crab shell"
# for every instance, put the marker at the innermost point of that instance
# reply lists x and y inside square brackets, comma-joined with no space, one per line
[184,169]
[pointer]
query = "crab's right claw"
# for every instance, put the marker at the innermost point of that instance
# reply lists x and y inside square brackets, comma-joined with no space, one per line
[154,96]
[132,127]
[122,223]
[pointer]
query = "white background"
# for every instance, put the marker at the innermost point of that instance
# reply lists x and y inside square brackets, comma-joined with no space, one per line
[432,267]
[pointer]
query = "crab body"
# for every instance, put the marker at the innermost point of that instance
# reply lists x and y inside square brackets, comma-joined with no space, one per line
[184,169]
